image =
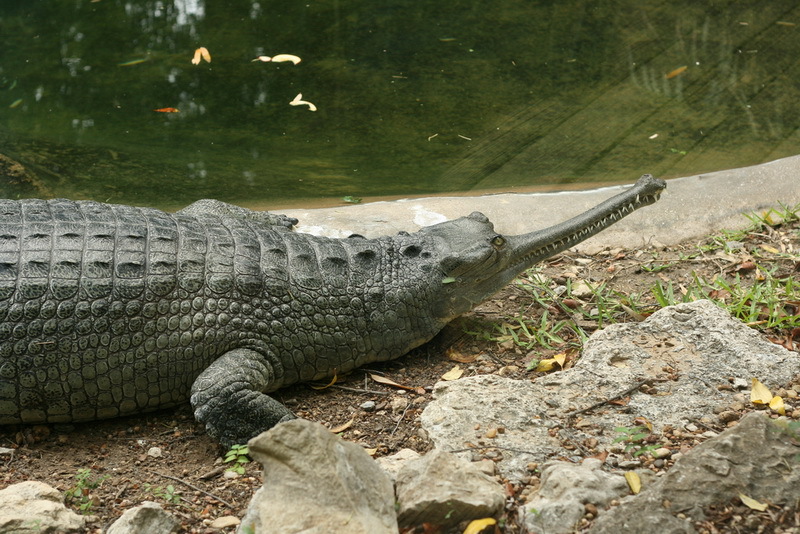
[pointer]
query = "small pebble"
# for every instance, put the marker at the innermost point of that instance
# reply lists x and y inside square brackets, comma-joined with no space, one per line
[368,406]
[727,416]
[662,452]
[225,522]
[155,452]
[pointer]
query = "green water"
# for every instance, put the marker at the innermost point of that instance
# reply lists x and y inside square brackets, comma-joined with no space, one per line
[413,97]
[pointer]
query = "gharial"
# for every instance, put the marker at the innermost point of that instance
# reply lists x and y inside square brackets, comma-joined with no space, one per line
[109,310]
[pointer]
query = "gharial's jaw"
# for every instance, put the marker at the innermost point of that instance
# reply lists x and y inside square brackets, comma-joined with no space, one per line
[514,254]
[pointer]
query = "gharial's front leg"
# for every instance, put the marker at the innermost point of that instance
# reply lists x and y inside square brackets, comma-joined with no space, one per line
[228,397]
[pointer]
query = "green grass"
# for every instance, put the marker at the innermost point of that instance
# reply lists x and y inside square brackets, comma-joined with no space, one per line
[766,296]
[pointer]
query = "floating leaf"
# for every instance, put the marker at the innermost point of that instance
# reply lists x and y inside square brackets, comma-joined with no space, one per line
[351,199]
[752,503]
[448,280]
[759,393]
[479,525]
[388,382]
[343,426]
[132,62]
[201,52]
[298,101]
[676,72]
[777,406]
[634,482]
[167,110]
[280,58]
[453,374]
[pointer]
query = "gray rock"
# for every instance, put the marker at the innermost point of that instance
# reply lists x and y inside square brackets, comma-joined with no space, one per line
[443,489]
[565,489]
[757,458]
[147,518]
[683,352]
[315,483]
[36,507]
[450,419]
[394,462]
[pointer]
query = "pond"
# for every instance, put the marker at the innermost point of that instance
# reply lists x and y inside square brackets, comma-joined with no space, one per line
[101,99]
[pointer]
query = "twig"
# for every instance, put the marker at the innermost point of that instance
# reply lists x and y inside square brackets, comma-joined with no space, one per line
[477,447]
[365,391]
[176,479]
[606,401]
[402,415]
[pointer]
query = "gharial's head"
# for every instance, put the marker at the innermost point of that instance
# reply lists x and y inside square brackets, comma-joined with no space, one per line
[474,261]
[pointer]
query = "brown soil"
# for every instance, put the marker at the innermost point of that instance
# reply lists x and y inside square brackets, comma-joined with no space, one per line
[188,478]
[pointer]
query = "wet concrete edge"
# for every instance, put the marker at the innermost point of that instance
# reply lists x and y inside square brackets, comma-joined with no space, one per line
[691,207]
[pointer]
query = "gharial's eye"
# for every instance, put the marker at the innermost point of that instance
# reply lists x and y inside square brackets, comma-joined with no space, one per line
[498,241]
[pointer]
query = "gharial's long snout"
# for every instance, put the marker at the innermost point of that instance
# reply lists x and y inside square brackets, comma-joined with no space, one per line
[533,247]
[520,252]
[536,246]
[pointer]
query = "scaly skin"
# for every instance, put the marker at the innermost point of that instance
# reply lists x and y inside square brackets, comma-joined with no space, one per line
[110,310]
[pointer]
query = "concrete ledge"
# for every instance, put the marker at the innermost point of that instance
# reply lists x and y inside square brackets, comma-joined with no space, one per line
[691,207]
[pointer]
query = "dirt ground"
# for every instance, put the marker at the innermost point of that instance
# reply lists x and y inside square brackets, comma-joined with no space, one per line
[186,474]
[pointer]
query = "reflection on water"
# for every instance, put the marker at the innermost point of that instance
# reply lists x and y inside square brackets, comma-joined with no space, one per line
[413,97]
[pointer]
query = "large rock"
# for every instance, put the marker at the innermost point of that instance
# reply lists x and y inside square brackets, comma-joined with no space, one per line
[565,490]
[315,483]
[689,355]
[35,507]
[147,518]
[443,489]
[517,406]
[757,458]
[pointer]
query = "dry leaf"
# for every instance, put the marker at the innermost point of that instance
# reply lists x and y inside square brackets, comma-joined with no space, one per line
[456,356]
[479,525]
[760,394]
[634,482]
[326,386]
[453,374]
[343,426]
[201,52]
[167,110]
[298,101]
[777,406]
[388,382]
[643,421]
[548,364]
[752,503]
[769,248]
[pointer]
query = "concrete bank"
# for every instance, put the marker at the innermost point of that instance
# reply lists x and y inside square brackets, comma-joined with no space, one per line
[691,207]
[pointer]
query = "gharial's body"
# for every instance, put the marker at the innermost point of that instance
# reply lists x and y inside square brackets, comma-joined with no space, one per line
[111,310]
